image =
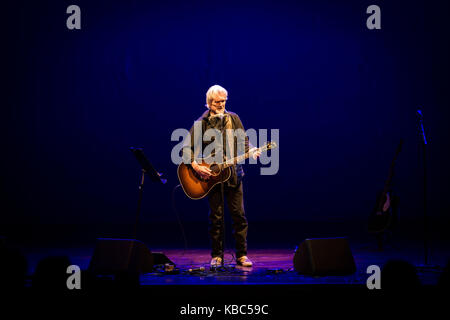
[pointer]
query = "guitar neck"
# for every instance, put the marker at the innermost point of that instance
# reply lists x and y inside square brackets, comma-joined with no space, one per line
[387,184]
[237,159]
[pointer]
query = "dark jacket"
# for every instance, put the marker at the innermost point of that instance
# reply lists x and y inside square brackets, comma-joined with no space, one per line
[189,154]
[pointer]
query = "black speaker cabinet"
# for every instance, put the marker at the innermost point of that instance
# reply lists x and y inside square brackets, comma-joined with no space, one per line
[324,256]
[112,256]
[161,258]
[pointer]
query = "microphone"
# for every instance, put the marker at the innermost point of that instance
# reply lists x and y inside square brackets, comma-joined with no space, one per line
[219,115]
[419,114]
[220,118]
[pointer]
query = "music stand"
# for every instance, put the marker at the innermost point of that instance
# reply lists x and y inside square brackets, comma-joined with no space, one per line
[154,175]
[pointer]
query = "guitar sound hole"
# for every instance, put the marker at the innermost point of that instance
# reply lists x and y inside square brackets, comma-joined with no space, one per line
[215,169]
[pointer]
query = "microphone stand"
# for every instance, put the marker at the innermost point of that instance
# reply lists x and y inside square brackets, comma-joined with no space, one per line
[222,127]
[155,176]
[222,124]
[425,204]
[139,205]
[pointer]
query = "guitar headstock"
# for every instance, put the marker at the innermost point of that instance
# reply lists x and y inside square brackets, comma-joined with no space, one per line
[269,145]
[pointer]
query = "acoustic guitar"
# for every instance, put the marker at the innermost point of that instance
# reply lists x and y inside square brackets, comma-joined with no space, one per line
[196,187]
[383,213]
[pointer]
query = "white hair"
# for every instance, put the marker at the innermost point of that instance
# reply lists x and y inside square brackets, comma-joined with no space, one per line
[212,92]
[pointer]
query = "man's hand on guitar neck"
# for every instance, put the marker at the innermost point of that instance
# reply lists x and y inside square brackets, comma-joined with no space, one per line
[203,171]
[256,154]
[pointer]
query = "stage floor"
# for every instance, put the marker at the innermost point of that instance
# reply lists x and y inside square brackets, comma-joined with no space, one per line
[271,266]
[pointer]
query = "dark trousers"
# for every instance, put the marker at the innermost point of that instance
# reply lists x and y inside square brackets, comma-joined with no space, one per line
[235,202]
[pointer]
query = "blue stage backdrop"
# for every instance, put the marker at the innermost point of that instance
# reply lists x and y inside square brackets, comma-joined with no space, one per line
[341,95]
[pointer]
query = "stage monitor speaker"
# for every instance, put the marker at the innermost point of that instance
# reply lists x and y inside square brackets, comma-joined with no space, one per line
[160,258]
[112,256]
[324,256]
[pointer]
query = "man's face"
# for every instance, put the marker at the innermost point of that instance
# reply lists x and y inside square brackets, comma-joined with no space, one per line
[218,103]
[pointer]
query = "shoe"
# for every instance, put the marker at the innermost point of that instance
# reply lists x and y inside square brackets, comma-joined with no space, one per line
[216,262]
[244,261]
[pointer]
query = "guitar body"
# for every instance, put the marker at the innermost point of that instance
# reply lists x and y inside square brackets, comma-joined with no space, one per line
[196,187]
[379,219]
[384,214]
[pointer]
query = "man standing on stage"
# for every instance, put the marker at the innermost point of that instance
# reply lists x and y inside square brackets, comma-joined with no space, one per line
[217,117]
